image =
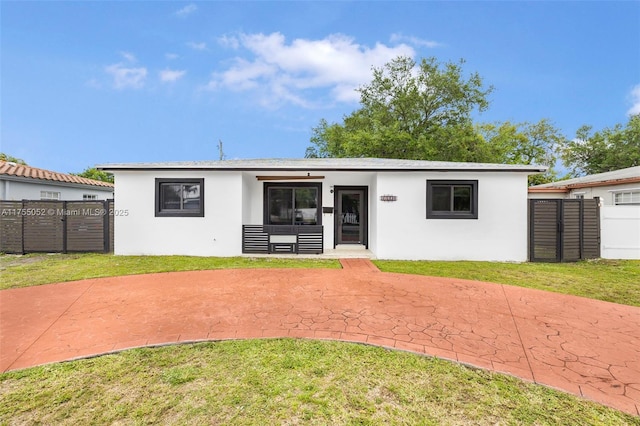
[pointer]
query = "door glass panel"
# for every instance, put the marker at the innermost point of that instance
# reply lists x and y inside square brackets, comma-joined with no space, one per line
[350,229]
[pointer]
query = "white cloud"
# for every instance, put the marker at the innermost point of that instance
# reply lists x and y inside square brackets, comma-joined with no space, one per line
[415,41]
[187,10]
[635,101]
[197,46]
[129,57]
[124,77]
[169,76]
[171,56]
[229,42]
[285,72]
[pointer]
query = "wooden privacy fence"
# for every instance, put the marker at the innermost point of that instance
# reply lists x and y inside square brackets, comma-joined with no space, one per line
[56,226]
[564,230]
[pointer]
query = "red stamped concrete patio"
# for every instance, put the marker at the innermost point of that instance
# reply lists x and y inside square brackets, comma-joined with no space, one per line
[582,346]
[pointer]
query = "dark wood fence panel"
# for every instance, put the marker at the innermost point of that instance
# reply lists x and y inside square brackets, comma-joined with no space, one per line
[543,226]
[85,226]
[56,226]
[570,230]
[43,231]
[11,227]
[563,230]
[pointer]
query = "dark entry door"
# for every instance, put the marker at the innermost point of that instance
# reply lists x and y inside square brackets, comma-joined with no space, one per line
[351,216]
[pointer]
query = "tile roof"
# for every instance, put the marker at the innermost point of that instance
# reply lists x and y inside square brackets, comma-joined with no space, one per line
[8,168]
[349,164]
[628,175]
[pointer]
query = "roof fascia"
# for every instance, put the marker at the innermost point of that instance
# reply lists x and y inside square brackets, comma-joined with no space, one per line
[634,179]
[319,169]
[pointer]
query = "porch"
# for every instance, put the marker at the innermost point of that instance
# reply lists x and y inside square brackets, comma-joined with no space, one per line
[296,241]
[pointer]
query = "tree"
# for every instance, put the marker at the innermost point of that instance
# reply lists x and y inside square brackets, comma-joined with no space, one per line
[424,113]
[524,143]
[409,111]
[612,148]
[95,174]
[7,157]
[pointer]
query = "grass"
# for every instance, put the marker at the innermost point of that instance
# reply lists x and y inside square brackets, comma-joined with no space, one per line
[37,269]
[283,381]
[288,381]
[615,281]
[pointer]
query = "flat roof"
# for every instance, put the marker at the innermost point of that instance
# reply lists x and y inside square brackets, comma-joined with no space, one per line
[326,164]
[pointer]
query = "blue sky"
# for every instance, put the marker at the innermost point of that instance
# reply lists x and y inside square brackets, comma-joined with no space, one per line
[84,83]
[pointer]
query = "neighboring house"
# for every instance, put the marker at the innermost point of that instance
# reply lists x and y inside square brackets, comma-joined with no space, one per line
[619,194]
[398,209]
[20,182]
[619,187]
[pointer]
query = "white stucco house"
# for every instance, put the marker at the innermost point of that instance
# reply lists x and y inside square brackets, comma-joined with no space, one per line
[614,188]
[397,209]
[20,182]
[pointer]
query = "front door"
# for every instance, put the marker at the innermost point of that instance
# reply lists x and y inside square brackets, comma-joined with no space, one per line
[351,215]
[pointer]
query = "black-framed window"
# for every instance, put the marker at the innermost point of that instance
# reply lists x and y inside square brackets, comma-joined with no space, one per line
[292,203]
[452,199]
[180,197]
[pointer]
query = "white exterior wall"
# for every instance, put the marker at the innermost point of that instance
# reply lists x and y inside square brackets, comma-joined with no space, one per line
[374,195]
[620,232]
[499,233]
[604,192]
[396,230]
[13,190]
[139,232]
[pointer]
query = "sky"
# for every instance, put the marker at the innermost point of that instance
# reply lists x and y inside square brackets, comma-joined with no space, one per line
[92,82]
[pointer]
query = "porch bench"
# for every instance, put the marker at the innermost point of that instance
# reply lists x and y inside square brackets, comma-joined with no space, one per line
[283,243]
[299,239]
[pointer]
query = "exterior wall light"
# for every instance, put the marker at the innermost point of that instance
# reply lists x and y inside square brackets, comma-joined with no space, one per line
[388,198]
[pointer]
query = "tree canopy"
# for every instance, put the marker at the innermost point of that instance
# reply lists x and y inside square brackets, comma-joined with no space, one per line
[95,174]
[423,112]
[406,112]
[523,143]
[612,148]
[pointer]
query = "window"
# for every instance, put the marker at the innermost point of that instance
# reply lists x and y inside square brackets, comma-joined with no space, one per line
[49,195]
[452,199]
[180,197]
[292,204]
[89,197]
[628,198]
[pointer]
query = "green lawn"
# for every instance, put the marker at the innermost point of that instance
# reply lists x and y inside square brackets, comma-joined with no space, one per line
[37,269]
[283,381]
[615,281]
[286,381]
